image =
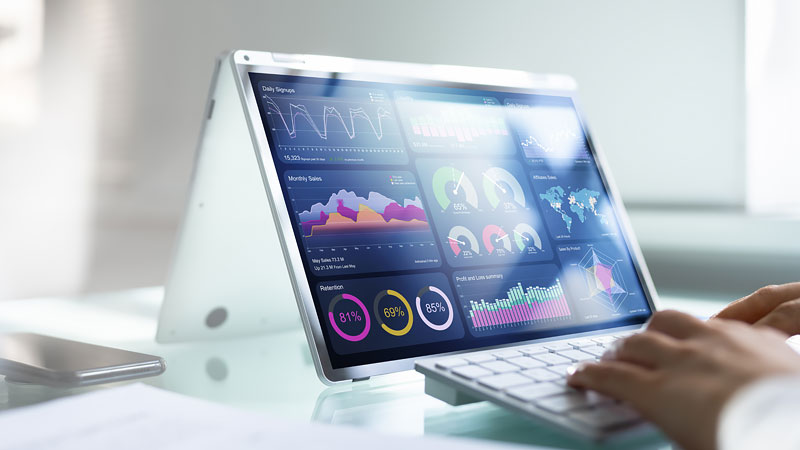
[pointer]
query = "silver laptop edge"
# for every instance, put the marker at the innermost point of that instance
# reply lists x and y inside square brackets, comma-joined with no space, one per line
[242,62]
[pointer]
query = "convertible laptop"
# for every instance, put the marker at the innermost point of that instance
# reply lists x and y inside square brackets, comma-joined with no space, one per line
[456,220]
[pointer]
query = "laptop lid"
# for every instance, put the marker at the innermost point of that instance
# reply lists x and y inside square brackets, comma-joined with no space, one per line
[432,209]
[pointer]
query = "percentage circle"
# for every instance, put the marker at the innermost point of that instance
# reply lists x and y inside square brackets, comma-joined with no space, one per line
[385,327]
[336,328]
[427,322]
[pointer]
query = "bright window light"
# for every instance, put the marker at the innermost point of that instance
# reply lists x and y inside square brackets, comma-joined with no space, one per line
[773,105]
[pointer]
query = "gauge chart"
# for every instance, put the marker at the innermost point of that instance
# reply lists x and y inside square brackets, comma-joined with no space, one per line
[527,239]
[502,189]
[377,313]
[482,211]
[495,240]
[453,190]
[462,242]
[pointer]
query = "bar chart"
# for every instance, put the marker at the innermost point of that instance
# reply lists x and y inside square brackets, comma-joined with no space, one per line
[501,301]
[523,305]
[455,124]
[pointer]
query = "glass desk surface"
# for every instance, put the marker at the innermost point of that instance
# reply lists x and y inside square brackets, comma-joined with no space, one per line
[273,373]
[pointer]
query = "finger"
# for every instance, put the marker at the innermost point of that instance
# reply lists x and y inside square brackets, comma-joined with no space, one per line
[650,349]
[755,306]
[617,379]
[785,317]
[676,324]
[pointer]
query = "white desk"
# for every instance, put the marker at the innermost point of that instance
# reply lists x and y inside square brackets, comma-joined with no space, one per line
[271,373]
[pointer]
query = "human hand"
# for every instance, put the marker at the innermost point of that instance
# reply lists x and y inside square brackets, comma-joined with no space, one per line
[772,306]
[680,372]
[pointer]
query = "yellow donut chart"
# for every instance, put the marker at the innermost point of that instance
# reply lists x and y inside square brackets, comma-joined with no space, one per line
[396,295]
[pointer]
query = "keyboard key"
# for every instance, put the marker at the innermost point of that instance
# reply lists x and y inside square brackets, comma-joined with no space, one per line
[527,362]
[595,350]
[534,391]
[558,346]
[472,372]
[576,355]
[478,358]
[582,343]
[449,363]
[552,359]
[505,354]
[499,366]
[608,416]
[504,381]
[560,370]
[561,404]
[605,339]
[540,374]
[535,350]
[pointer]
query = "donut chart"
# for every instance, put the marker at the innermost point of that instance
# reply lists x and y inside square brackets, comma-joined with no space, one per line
[383,312]
[349,316]
[434,307]
[379,313]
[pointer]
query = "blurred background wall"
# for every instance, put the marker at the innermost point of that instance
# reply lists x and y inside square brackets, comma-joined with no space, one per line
[99,116]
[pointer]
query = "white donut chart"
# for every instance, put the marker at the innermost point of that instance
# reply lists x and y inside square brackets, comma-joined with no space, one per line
[425,320]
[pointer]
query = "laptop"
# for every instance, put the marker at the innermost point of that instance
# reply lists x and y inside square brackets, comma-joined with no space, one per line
[458,221]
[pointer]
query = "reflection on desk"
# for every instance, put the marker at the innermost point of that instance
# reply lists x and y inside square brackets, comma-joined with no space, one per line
[272,373]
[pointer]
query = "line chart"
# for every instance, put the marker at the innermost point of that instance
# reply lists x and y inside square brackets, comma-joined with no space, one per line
[318,124]
[553,142]
[327,112]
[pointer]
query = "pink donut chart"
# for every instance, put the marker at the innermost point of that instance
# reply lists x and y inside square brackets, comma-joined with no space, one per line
[349,316]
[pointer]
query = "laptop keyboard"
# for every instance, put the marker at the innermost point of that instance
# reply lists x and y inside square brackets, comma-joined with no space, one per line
[532,379]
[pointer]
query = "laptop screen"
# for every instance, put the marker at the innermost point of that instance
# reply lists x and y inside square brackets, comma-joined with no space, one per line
[433,219]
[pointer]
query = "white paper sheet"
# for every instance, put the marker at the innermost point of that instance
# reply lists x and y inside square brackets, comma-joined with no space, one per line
[140,417]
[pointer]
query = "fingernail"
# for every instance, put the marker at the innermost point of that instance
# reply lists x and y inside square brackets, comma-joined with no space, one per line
[576,368]
[571,370]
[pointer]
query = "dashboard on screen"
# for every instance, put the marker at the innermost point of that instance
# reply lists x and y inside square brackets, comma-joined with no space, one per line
[433,219]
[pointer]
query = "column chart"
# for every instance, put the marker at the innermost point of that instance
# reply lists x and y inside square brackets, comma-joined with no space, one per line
[511,300]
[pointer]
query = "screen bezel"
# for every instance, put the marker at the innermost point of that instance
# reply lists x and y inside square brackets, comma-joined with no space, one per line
[243,62]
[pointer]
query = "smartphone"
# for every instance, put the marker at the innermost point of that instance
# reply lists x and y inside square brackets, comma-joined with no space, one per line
[37,359]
